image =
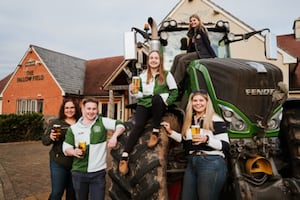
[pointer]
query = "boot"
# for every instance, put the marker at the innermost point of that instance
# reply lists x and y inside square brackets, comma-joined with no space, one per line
[153,140]
[123,167]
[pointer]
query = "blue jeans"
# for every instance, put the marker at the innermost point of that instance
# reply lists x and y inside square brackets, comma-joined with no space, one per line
[61,179]
[91,184]
[204,177]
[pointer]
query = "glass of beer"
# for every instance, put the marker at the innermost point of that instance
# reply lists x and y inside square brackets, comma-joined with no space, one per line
[82,147]
[195,133]
[135,84]
[57,131]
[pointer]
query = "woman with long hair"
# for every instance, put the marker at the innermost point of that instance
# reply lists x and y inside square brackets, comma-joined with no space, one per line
[60,165]
[206,169]
[157,90]
[198,47]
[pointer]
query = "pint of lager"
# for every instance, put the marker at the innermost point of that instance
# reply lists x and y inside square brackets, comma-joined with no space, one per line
[57,130]
[195,132]
[135,84]
[82,147]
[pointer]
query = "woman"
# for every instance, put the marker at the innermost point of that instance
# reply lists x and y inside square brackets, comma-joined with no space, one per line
[157,90]
[89,163]
[60,165]
[198,47]
[206,168]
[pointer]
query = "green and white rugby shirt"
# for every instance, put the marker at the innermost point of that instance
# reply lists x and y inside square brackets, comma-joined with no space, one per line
[95,136]
[168,90]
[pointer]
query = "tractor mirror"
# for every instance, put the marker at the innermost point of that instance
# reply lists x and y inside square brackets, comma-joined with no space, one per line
[130,52]
[270,46]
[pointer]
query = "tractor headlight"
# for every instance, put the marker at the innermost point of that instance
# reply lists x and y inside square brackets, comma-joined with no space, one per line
[238,124]
[274,122]
[169,23]
[234,119]
[164,35]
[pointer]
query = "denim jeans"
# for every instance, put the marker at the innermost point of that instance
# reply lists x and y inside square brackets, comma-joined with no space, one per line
[91,184]
[204,177]
[61,179]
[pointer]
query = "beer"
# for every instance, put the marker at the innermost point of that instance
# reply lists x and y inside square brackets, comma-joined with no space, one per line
[57,130]
[82,147]
[135,84]
[195,132]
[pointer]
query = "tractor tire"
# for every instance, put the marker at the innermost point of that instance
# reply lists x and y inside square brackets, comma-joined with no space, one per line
[147,176]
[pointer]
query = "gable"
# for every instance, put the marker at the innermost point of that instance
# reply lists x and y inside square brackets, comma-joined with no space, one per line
[67,70]
[100,71]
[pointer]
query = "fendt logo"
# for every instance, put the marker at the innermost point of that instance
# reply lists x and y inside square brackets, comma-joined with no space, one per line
[259,92]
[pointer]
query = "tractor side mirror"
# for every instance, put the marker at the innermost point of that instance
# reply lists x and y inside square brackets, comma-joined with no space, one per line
[130,52]
[270,46]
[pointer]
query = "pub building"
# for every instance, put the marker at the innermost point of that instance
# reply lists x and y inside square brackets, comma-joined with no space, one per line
[43,78]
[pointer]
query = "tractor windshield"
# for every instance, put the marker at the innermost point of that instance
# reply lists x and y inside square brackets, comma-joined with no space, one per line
[175,44]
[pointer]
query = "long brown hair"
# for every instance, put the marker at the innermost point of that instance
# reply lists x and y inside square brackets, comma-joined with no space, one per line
[77,114]
[161,77]
[201,25]
[209,112]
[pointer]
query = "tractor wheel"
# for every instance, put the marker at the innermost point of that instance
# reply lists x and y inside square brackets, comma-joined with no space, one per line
[147,176]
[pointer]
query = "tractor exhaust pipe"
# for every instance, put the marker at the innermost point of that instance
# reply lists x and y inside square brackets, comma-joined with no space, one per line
[154,42]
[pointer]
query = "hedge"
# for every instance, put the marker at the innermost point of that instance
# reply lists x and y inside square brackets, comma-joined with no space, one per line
[26,127]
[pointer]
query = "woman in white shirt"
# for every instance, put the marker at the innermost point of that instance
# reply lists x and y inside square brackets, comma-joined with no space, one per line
[206,168]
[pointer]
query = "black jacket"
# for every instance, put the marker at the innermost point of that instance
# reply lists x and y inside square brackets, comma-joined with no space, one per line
[56,153]
[201,44]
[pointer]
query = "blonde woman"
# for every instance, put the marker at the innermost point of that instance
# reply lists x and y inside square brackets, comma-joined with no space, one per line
[206,168]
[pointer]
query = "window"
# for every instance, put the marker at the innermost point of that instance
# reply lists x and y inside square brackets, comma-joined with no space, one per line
[29,106]
[104,109]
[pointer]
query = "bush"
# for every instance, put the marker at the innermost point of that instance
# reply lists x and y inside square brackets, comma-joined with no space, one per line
[15,128]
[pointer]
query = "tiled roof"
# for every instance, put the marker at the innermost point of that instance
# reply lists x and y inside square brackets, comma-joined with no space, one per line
[97,73]
[68,71]
[4,81]
[289,44]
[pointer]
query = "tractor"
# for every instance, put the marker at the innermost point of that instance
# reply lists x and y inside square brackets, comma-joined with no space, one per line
[262,124]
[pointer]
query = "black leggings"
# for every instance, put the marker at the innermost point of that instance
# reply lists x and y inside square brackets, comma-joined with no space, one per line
[142,115]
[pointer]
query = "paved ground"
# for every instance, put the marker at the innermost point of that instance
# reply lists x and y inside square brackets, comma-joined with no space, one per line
[24,171]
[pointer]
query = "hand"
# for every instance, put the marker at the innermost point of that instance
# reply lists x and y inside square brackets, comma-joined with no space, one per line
[167,126]
[131,88]
[52,135]
[112,142]
[199,139]
[78,153]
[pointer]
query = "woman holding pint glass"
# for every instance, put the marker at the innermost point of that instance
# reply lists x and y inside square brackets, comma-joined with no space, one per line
[156,91]
[60,165]
[206,143]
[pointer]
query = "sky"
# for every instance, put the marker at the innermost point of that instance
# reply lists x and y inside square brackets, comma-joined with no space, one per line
[94,29]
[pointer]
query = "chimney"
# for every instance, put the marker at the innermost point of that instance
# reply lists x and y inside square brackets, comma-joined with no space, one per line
[296,28]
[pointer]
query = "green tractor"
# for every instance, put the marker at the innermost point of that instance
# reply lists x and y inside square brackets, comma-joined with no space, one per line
[263,126]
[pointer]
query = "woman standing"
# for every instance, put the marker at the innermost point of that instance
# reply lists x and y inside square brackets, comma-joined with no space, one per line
[198,47]
[157,90]
[87,142]
[60,165]
[206,168]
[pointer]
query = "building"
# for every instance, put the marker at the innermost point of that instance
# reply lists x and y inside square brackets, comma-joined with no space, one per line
[291,44]
[44,77]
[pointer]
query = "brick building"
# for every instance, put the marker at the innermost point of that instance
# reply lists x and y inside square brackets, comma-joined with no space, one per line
[44,77]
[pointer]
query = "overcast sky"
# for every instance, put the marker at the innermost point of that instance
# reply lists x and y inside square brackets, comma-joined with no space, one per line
[93,29]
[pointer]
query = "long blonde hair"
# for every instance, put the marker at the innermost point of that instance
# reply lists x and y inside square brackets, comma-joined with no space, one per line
[189,113]
[161,77]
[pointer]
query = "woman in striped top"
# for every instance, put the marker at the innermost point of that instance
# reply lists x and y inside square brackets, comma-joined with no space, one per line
[206,168]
